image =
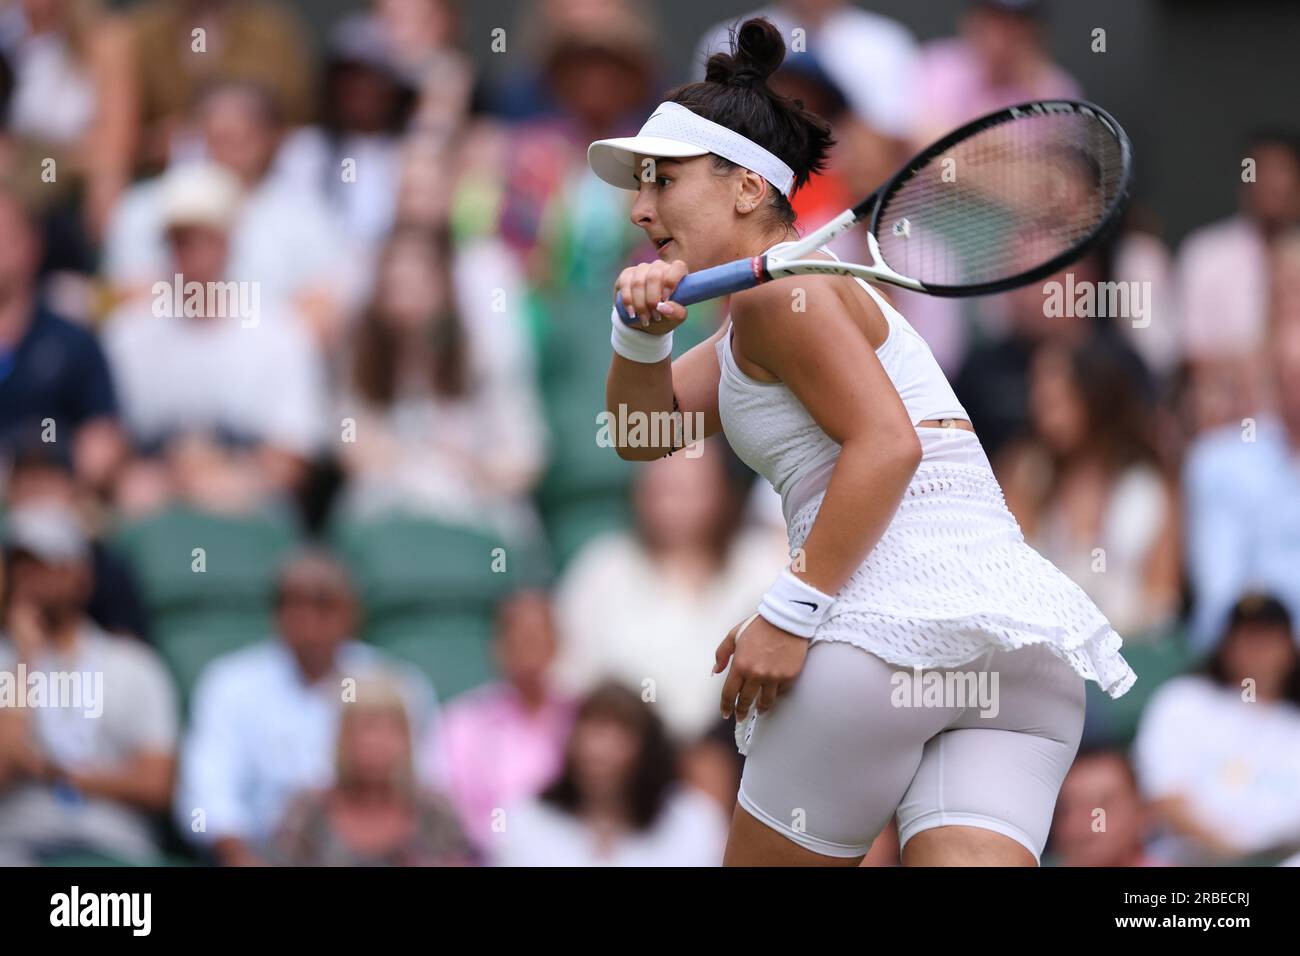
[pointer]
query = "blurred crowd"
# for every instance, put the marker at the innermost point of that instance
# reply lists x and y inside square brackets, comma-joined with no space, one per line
[302,348]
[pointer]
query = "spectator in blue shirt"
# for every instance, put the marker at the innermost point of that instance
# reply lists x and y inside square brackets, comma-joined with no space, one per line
[53,374]
[1243,503]
[264,718]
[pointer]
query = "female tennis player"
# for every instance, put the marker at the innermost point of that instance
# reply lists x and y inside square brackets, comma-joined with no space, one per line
[904,555]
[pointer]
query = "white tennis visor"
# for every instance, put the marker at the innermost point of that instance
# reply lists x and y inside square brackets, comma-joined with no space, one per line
[674,132]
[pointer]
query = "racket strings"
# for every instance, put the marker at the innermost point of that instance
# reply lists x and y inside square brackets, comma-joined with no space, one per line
[1003,202]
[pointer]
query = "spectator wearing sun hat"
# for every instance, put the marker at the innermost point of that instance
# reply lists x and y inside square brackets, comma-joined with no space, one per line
[283,236]
[212,365]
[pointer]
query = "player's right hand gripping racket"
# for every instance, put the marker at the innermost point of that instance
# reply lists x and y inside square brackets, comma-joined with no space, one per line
[1003,201]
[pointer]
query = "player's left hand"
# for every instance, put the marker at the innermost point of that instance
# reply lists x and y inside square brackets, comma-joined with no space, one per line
[765,660]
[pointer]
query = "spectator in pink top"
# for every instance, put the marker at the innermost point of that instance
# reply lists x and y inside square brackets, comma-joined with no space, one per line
[998,60]
[1224,322]
[504,742]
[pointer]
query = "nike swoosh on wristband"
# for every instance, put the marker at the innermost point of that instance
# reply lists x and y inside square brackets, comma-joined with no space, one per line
[809,603]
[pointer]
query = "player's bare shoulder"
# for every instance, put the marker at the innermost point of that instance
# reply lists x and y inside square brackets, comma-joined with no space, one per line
[808,305]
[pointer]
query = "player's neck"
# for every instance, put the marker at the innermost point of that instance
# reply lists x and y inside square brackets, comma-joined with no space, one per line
[765,240]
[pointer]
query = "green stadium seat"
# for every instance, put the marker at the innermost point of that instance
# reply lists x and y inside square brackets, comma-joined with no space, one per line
[430,591]
[404,563]
[1155,661]
[187,645]
[198,616]
[586,486]
[83,859]
[241,557]
[571,525]
[454,651]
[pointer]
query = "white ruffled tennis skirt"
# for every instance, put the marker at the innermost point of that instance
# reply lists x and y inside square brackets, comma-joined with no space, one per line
[952,577]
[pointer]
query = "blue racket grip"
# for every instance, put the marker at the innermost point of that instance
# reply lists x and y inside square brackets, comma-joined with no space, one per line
[709,284]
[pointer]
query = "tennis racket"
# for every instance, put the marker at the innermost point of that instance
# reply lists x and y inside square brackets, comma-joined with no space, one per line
[1003,201]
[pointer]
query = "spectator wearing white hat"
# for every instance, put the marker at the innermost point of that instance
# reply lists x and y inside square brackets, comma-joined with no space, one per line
[283,235]
[221,391]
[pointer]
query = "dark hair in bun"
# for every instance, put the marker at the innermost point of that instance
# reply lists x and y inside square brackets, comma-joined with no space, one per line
[735,94]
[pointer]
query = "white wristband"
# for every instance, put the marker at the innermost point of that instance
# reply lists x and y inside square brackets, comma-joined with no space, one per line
[794,606]
[638,346]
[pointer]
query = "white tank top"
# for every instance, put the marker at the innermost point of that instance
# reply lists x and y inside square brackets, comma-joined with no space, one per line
[772,432]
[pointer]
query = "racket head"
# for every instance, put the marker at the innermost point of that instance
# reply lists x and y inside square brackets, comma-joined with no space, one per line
[1029,190]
